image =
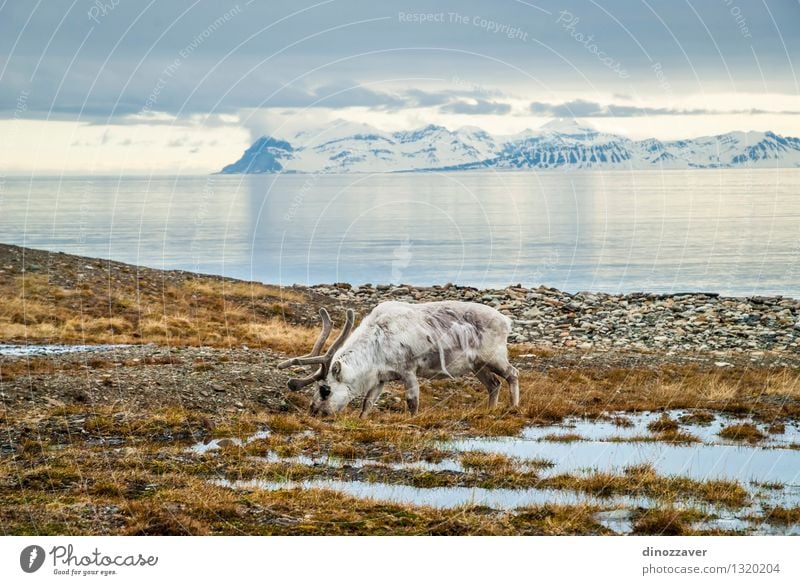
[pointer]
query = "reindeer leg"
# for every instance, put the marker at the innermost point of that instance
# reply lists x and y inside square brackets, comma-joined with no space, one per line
[509,373]
[369,399]
[412,392]
[491,382]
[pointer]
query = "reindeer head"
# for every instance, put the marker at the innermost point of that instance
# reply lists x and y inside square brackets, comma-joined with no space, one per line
[331,395]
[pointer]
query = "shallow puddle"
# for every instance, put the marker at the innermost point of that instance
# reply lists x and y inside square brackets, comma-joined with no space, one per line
[45,350]
[337,462]
[604,446]
[443,497]
[214,444]
[608,448]
[619,521]
[636,428]
[618,516]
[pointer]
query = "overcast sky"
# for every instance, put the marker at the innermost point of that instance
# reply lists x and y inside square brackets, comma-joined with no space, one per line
[151,86]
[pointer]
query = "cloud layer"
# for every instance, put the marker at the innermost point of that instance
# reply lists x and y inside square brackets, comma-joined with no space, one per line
[588,109]
[78,60]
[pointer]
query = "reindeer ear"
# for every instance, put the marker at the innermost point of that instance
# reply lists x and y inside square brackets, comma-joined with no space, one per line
[336,370]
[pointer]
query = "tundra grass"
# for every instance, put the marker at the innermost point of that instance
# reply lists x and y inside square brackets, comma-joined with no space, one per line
[742,432]
[642,480]
[190,310]
[782,516]
[666,521]
[70,483]
[82,492]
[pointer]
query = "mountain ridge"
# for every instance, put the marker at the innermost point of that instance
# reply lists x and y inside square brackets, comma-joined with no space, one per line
[347,147]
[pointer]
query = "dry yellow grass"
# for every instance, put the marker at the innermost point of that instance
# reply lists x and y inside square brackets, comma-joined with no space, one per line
[742,432]
[189,311]
[149,490]
[545,397]
[559,392]
[158,489]
[781,515]
[643,480]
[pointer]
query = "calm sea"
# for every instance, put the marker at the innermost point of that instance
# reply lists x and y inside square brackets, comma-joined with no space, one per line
[728,231]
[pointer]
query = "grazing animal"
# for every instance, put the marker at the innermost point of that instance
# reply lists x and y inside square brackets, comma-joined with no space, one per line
[405,341]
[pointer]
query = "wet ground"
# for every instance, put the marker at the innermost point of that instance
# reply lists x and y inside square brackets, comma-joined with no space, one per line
[769,470]
[96,439]
[105,398]
[37,350]
[582,444]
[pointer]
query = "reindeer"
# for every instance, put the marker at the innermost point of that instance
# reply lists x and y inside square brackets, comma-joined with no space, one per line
[404,341]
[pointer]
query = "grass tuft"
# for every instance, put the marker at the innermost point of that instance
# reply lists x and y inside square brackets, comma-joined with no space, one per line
[782,516]
[742,432]
[663,424]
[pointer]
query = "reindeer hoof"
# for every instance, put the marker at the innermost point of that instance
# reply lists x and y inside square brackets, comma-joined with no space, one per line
[413,405]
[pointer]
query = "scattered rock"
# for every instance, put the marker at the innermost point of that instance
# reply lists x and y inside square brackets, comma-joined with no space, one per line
[683,322]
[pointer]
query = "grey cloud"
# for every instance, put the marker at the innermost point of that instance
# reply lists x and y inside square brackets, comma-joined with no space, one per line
[425,99]
[587,109]
[428,98]
[348,95]
[479,107]
[68,64]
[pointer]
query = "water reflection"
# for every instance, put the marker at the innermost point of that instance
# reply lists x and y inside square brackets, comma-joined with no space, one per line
[730,231]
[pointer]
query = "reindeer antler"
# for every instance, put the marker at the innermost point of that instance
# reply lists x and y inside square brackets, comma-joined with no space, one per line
[314,357]
[298,383]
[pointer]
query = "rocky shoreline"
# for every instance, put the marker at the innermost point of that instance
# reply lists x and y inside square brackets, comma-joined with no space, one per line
[667,323]
[682,322]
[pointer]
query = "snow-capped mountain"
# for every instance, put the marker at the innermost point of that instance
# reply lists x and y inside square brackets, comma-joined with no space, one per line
[345,147]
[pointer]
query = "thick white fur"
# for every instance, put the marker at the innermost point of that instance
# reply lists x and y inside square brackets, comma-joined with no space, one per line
[401,341]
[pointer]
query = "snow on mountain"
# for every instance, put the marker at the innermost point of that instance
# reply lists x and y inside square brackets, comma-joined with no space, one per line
[266,155]
[567,126]
[346,147]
